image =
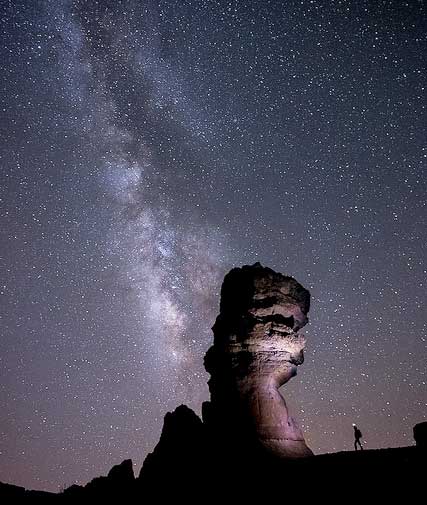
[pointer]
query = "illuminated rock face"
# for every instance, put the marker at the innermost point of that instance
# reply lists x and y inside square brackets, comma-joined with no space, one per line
[256,350]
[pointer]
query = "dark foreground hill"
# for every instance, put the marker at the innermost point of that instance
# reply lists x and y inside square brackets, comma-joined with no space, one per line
[344,475]
[185,466]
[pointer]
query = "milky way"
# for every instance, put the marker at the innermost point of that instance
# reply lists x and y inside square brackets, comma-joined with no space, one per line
[170,264]
[149,147]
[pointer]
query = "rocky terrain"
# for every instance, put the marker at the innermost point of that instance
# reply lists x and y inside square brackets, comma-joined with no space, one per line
[247,446]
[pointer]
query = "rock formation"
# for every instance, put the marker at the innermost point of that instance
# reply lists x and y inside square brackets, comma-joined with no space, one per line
[248,448]
[420,435]
[182,435]
[256,350]
[119,483]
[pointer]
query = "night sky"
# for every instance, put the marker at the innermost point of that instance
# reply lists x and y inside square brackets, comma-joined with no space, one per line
[147,147]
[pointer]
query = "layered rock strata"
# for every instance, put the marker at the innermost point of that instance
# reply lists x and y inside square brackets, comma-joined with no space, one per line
[256,350]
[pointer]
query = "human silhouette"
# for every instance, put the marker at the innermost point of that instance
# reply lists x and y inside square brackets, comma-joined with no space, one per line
[357,437]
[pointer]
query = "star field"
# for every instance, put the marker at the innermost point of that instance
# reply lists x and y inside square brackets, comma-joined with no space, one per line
[149,147]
